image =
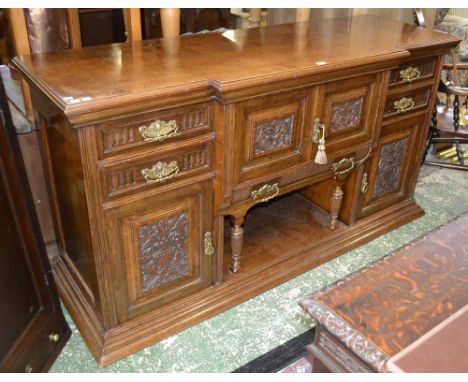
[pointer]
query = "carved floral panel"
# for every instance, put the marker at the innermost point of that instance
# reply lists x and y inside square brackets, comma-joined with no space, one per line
[164,251]
[274,134]
[346,114]
[389,170]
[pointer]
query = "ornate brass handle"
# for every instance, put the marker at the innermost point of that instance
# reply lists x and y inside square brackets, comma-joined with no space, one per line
[410,74]
[158,131]
[364,183]
[209,248]
[160,172]
[265,193]
[316,133]
[403,104]
[343,167]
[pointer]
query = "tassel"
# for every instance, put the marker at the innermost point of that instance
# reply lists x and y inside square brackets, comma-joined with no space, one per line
[321,157]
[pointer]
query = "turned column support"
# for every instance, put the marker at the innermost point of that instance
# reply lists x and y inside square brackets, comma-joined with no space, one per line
[341,171]
[170,21]
[237,239]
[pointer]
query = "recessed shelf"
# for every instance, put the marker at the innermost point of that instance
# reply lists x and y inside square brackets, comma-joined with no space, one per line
[278,230]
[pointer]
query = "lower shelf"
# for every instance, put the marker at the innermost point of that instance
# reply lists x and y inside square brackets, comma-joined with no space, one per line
[278,230]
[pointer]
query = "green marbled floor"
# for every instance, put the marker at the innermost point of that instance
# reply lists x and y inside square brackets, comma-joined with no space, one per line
[243,333]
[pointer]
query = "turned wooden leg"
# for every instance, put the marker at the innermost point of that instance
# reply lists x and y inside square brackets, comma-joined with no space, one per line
[456,113]
[342,169]
[237,239]
[336,200]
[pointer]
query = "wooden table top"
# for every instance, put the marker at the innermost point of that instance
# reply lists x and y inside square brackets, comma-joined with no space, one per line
[234,58]
[443,349]
[381,309]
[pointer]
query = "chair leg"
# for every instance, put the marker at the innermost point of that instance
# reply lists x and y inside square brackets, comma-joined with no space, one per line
[431,133]
[456,113]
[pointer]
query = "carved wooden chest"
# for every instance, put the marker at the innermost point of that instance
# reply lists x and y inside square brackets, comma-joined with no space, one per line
[190,174]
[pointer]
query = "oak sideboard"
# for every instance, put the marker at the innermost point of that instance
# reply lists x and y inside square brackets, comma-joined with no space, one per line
[190,174]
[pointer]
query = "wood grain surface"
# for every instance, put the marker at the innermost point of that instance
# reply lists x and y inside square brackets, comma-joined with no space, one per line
[385,307]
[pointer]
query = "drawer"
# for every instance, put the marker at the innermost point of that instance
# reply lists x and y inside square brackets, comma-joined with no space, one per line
[270,186]
[302,176]
[414,71]
[152,129]
[407,102]
[152,171]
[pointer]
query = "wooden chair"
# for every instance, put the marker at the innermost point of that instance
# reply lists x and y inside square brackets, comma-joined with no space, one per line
[446,129]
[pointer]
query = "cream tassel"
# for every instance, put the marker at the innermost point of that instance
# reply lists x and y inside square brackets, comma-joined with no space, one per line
[321,157]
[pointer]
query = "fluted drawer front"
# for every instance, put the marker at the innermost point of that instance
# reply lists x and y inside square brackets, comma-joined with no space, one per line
[152,129]
[155,170]
[414,71]
[407,102]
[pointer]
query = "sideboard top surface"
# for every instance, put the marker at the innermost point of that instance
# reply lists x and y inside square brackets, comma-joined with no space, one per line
[76,78]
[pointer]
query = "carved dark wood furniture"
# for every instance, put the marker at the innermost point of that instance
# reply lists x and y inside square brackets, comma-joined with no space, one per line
[192,173]
[32,327]
[380,310]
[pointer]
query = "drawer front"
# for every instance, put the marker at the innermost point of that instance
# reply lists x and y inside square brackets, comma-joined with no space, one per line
[152,171]
[385,178]
[152,129]
[414,71]
[407,102]
[270,135]
[164,246]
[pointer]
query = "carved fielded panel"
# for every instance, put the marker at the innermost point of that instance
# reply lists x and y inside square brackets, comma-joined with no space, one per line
[274,134]
[346,114]
[164,253]
[390,166]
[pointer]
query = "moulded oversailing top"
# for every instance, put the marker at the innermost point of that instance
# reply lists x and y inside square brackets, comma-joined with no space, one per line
[184,64]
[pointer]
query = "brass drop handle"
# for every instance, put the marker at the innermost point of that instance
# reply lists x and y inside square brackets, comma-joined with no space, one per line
[364,183]
[342,168]
[208,243]
[54,337]
[410,74]
[318,137]
[158,131]
[318,131]
[160,172]
[403,104]
[265,193]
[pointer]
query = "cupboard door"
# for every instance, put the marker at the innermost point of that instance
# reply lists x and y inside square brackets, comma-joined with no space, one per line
[348,110]
[270,135]
[386,176]
[165,246]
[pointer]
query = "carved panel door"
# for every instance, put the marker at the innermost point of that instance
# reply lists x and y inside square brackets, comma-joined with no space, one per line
[385,177]
[165,244]
[348,110]
[271,133]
